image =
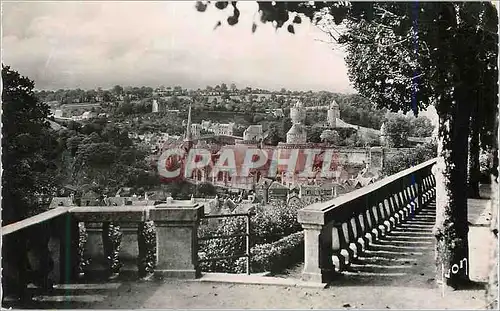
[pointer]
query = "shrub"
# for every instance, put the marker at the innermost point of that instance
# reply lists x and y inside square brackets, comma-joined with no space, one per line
[269,224]
[403,161]
[275,257]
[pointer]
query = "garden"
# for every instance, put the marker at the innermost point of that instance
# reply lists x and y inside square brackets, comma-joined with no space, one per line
[276,240]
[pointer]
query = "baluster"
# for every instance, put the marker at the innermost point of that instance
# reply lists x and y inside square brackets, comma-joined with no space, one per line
[401,205]
[83,261]
[376,220]
[369,236]
[420,190]
[352,232]
[344,246]
[40,261]
[387,211]
[146,238]
[424,188]
[412,206]
[406,200]
[358,239]
[337,260]
[69,242]
[433,184]
[361,239]
[112,237]
[428,188]
[414,198]
[394,218]
[383,216]
[396,203]
[14,265]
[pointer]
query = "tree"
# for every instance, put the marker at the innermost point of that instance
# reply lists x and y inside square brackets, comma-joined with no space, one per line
[385,66]
[206,189]
[330,136]
[118,90]
[273,137]
[397,130]
[233,87]
[314,134]
[27,148]
[406,56]
[421,127]
[402,161]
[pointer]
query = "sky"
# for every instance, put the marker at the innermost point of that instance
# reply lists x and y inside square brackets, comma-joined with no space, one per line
[90,44]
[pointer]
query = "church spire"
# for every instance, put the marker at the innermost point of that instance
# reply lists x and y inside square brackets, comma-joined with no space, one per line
[188,136]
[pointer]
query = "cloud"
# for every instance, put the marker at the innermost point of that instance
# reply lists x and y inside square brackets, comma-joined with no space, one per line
[90,44]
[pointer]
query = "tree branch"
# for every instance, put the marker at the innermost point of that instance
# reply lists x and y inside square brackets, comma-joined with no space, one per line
[393,44]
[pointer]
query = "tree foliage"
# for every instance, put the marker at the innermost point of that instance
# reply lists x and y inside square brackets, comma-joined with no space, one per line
[397,130]
[402,161]
[405,56]
[330,136]
[102,156]
[28,148]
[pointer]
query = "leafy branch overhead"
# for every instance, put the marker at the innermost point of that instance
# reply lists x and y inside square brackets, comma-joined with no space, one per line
[279,13]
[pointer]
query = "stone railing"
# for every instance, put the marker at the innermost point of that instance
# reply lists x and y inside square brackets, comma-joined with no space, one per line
[336,231]
[47,248]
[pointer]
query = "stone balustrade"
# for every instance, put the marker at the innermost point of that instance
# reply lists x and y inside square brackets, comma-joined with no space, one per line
[336,231]
[48,243]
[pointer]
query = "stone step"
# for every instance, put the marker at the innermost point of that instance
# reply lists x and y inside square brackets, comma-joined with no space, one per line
[403,242]
[386,274]
[389,247]
[374,258]
[423,221]
[69,298]
[379,268]
[88,286]
[411,232]
[408,235]
[415,226]
[387,253]
[81,286]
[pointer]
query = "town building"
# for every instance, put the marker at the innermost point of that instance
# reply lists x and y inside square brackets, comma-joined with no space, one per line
[253,133]
[252,139]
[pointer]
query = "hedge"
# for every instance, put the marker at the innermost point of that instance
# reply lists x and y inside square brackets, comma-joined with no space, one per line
[275,257]
[270,224]
[402,161]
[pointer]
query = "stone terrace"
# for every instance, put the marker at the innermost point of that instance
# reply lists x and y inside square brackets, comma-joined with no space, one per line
[372,248]
[395,272]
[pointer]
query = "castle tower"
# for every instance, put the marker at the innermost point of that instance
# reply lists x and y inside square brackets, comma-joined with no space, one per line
[297,133]
[155,106]
[298,112]
[333,114]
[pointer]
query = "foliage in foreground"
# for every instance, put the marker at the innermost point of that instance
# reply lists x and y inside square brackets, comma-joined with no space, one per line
[27,148]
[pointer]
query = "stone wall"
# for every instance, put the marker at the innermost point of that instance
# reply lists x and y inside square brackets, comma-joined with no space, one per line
[353,155]
[492,287]
[362,155]
[129,249]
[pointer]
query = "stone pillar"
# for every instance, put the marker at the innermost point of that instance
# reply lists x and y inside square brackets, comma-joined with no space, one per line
[376,157]
[177,243]
[312,271]
[492,287]
[68,255]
